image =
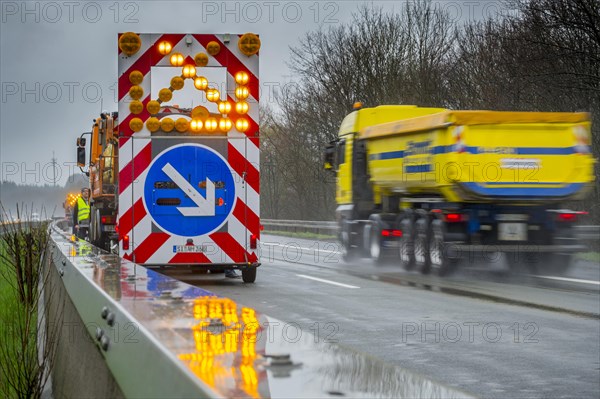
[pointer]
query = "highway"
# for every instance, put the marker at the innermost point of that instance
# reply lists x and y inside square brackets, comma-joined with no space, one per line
[482,331]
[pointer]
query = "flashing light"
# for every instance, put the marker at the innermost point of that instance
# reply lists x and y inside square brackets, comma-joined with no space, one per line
[224,107]
[249,44]
[201,59]
[136,77]
[225,124]
[570,216]
[241,78]
[213,95]
[176,59]
[107,220]
[201,83]
[153,124]
[164,47]
[211,124]
[136,124]
[130,43]
[242,107]
[242,124]
[136,107]
[153,107]
[182,125]
[357,105]
[196,125]
[165,95]
[213,48]
[242,92]
[177,83]
[200,112]
[136,92]
[126,242]
[253,241]
[454,217]
[167,124]
[188,71]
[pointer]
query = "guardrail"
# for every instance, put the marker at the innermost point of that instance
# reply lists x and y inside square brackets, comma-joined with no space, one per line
[300,226]
[153,336]
[589,234]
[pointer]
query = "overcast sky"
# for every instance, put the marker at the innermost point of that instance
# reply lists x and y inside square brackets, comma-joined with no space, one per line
[58,61]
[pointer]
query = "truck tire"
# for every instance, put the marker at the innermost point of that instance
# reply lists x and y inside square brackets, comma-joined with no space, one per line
[96,229]
[249,275]
[347,251]
[372,232]
[422,238]
[556,264]
[406,249]
[441,263]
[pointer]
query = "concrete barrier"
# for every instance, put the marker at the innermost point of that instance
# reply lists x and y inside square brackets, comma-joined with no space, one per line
[131,332]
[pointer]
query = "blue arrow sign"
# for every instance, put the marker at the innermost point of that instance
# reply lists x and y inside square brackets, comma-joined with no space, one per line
[189,190]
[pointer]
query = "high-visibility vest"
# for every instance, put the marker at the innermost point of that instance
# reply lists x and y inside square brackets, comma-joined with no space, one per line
[83,210]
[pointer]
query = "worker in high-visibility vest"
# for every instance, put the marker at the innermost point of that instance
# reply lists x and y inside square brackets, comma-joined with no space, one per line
[81,214]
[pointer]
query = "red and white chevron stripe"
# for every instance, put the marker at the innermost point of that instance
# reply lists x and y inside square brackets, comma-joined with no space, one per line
[149,244]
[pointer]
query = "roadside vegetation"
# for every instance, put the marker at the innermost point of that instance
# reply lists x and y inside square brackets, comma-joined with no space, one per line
[26,350]
[534,55]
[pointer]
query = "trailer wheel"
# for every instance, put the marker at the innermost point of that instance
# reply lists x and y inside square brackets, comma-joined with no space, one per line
[249,275]
[441,263]
[422,260]
[407,244]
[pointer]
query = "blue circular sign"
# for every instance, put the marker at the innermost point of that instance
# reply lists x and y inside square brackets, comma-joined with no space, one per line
[189,190]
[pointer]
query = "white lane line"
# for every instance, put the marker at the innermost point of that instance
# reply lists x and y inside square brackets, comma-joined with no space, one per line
[326,281]
[572,280]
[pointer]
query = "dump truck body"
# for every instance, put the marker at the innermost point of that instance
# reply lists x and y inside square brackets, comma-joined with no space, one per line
[469,178]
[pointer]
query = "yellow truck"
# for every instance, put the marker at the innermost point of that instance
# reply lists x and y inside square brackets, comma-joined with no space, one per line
[432,186]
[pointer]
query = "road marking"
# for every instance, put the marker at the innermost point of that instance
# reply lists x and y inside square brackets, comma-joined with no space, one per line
[572,280]
[326,281]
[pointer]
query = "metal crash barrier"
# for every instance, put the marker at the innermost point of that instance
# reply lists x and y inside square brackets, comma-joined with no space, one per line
[152,336]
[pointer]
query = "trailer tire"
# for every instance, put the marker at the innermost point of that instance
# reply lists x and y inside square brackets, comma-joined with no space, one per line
[441,263]
[406,247]
[422,238]
[249,275]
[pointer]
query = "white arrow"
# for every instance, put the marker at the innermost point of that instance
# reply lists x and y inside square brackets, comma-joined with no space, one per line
[206,206]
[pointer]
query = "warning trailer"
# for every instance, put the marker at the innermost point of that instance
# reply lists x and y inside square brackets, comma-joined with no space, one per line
[175,173]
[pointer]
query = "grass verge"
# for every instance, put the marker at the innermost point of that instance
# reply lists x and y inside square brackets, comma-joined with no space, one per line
[589,256]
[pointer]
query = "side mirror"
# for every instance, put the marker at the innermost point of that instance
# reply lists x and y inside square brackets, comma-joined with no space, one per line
[81,141]
[81,157]
[329,156]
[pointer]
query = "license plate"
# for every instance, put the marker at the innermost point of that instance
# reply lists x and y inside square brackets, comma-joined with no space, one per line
[188,248]
[109,228]
[512,231]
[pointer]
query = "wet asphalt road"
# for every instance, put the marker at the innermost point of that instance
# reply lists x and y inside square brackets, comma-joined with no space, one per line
[546,344]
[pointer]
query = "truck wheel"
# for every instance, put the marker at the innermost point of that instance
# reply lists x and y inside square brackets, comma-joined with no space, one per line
[422,260]
[554,264]
[373,232]
[249,275]
[95,229]
[348,253]
[406,248]
[441,263]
